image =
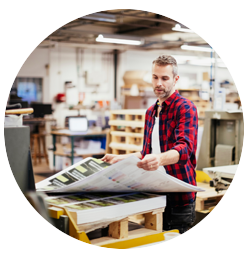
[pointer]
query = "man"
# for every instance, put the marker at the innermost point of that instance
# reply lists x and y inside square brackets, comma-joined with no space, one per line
[170,142]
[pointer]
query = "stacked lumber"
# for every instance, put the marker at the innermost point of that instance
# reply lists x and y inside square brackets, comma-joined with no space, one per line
[126,131]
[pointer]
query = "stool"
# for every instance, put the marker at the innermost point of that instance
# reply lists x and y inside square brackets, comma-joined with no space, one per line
[36,141]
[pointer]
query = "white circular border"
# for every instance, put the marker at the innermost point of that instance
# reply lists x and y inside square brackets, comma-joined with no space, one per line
[224,25]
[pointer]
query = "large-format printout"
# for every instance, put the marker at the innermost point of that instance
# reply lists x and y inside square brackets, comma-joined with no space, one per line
[94,175]
[92,207]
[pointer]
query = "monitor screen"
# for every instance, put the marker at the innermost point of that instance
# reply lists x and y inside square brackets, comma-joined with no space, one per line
[27,91]
[41,109]
[24,104]
[78,124]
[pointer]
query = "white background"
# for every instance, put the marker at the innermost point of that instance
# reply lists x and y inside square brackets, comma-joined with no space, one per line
[224,233]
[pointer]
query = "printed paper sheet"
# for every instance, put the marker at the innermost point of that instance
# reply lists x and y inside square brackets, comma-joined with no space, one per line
[94,175]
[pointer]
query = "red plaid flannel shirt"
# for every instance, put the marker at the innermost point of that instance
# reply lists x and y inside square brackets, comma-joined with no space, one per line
[178,126]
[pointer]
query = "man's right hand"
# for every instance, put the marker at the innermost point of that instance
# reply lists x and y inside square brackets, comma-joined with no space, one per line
[113,158]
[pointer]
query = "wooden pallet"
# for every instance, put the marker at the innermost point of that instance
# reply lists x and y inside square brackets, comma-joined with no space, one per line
[118,231]
[126,131]
[208,199]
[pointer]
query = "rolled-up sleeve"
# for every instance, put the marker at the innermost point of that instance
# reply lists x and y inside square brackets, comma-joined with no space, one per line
[186,131]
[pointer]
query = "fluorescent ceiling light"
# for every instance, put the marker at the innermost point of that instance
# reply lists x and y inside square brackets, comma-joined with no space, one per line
[100,38]
[196,48]
[198,61]
[180,29]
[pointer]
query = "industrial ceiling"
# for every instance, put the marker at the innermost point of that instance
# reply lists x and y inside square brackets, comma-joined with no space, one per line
[154,31]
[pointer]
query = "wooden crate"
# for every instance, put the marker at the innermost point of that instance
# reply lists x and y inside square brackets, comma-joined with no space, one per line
[126,130]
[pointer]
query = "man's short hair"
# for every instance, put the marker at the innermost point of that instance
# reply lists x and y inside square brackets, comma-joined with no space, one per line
[165,60]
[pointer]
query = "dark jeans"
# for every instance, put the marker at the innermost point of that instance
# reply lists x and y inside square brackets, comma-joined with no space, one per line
[180,218]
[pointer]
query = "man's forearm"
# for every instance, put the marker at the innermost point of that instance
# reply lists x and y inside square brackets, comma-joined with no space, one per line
[169,157]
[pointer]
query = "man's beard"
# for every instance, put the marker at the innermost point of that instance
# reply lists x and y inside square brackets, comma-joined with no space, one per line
[164,94]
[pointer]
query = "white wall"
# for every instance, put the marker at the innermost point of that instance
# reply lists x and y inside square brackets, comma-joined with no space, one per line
[34,66]
[70,64]
[138,60]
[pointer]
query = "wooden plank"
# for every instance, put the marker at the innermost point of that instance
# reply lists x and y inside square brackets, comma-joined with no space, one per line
[115,151]
[120,133]
[71,133]
[125,147]
[108,140]
[128,112]
[156,211]
[153,221]
[119,229]
[128,117]
[126,123]
[199,204]
[19,111]
[78,155]
[139,219]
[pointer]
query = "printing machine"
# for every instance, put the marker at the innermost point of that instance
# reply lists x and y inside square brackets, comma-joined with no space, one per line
[221,176]
[221,146]
[222,139]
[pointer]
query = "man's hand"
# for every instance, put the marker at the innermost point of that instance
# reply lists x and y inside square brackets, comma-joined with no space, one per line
[112,158]
[150,162]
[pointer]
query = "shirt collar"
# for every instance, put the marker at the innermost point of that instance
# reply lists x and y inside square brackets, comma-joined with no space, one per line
[169,100]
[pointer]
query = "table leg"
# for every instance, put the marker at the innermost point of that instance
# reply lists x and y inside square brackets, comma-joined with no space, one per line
[54,149]
[72,150]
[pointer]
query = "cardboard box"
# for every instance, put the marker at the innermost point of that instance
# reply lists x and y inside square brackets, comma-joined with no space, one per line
[206,76]
[133,102]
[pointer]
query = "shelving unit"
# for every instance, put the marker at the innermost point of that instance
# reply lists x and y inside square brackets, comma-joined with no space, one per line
[126,131]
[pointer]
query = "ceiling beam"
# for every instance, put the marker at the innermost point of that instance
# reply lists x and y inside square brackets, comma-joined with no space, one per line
[145,26]
[144,18]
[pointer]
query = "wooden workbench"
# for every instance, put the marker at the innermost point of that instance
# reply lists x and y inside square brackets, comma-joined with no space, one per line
[72,135]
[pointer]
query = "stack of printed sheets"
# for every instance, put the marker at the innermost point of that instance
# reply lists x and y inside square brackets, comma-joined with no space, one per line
[94,207]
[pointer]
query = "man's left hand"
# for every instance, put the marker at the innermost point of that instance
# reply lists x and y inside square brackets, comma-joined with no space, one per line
[150,162]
